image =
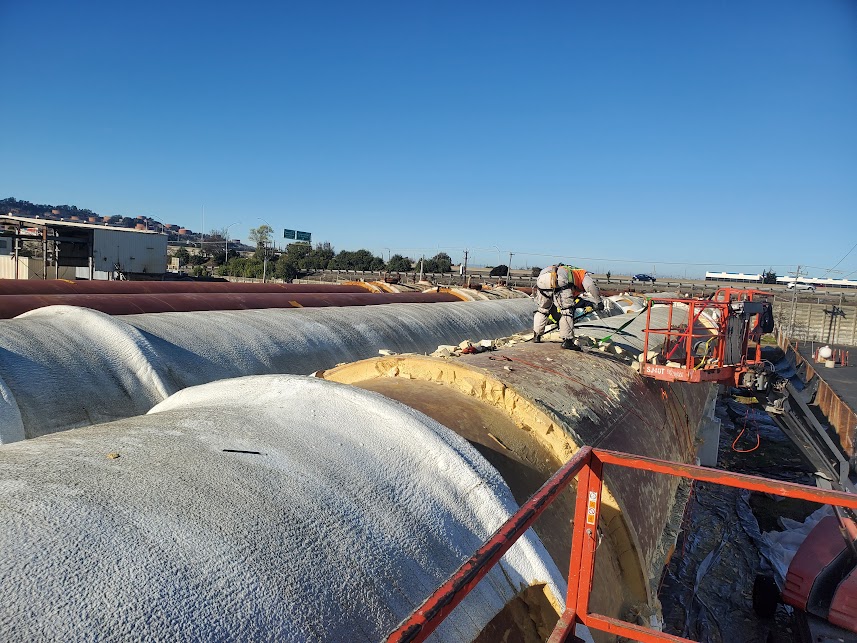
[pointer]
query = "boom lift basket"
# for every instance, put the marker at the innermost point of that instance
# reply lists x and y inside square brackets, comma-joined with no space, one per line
[710,342]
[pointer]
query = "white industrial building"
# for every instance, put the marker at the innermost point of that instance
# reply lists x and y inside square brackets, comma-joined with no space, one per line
[732,277]
[33,248]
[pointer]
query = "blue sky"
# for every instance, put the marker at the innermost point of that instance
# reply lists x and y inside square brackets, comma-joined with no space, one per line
[680,135]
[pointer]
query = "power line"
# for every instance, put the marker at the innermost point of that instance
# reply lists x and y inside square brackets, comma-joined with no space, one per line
[642,261]
[843,258]
[653,261]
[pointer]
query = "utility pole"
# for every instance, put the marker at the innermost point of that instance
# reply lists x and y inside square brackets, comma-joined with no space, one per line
[17,239]
[422,262]
[509,272]
[45,252]
[264,262]
[794,305]
[499,261]
[265,250]
[464,267]
[226,260]
[835,312]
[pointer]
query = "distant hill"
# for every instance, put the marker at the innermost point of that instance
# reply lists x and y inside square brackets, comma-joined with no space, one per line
[12,205]
[27,209]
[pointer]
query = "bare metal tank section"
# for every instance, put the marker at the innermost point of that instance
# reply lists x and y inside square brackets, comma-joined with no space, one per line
[528,408]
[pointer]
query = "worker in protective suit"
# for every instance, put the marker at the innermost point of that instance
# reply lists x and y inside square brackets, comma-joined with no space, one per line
[562,286]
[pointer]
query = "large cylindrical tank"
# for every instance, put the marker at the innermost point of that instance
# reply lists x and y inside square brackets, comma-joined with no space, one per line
[276,508]
[62,367]
[126,304]
[529,408]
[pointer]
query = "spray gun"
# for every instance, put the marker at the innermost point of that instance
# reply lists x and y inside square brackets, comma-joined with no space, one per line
[580,308]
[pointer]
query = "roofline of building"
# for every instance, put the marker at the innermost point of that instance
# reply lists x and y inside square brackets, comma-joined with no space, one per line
[53,223]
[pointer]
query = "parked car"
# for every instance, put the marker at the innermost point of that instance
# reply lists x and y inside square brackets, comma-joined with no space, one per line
[642,277]
[794,285]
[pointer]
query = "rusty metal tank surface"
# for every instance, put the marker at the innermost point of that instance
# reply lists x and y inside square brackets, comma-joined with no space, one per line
[131,304]
[541,403]
[65,287]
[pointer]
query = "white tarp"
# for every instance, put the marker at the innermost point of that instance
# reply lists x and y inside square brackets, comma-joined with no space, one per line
[63,367]
[275,508]
[779,547]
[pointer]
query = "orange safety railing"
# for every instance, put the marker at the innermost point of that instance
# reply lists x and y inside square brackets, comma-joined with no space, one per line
[588,466]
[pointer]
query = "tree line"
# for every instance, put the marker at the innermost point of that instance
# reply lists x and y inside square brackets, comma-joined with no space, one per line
[296,259]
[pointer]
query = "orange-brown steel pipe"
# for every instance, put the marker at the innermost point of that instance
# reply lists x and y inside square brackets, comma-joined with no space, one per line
[65,287]
[14,305]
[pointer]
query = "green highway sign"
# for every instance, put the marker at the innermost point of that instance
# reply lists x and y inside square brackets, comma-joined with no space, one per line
[304,236]
[289,234]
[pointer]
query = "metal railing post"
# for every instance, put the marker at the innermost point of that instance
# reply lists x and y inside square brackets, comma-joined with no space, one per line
[564,629]
[590,536]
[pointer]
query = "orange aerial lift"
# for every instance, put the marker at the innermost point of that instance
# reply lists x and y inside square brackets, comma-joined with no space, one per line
[718,340]
[712,342]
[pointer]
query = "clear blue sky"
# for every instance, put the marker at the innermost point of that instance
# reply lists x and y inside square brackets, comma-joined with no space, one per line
[670,133]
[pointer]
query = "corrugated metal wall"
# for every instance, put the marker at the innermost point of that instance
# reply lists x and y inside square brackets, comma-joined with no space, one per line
[31,268]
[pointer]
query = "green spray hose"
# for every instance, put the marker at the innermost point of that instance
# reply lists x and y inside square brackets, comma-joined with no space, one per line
[621,328]
[626,324]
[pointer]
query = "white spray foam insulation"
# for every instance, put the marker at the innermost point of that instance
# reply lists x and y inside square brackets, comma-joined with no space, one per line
[65,367]
[353,510]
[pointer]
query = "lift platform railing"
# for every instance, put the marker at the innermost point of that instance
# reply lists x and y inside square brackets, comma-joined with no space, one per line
[728,293]
[709,343]
[587,465]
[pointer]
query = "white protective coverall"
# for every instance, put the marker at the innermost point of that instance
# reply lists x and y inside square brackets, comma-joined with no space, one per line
[560,285]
